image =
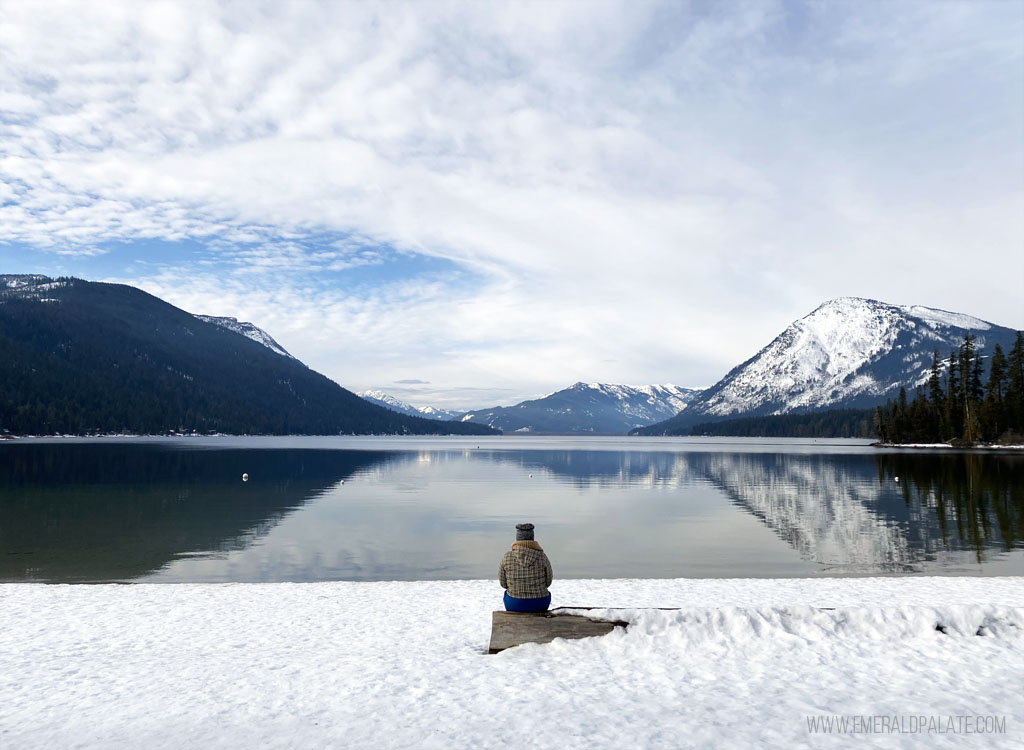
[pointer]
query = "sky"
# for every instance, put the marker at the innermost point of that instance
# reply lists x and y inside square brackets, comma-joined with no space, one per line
[470,204]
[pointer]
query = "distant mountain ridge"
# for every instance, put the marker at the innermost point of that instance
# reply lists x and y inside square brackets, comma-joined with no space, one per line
[848,353]
[390,402]
[589,408]
[83,357]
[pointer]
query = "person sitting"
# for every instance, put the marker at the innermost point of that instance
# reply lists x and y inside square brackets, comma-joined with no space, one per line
[525,573]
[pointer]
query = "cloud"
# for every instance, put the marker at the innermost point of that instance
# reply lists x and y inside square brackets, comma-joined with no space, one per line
[412,381]
[529,195]
[81,252]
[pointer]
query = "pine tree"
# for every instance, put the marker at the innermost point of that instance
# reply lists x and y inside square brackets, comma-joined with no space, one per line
[921,428]
[993,419]
[901,421]
[936,398]
[953,413]
[970,389]
[881,425]
[1015,385]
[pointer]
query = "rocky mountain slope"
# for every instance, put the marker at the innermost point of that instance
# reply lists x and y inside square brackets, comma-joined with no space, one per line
[248,330]
[390,402]
[848,353]
[589,408]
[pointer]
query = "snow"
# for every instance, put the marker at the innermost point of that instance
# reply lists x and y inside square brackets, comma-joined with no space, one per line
[388,401]
[670,396]
[17,281]
[593,407]
[380,398]
[947,319]
[249,330]
[812,360]
[742,663]
[830,356]
[978,446]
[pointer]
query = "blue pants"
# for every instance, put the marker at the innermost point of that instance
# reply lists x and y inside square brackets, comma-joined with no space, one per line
[527,605]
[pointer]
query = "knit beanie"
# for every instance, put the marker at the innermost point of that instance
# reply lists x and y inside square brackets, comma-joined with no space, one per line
[524,532]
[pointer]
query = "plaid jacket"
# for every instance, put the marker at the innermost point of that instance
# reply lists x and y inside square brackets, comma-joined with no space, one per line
[525,571]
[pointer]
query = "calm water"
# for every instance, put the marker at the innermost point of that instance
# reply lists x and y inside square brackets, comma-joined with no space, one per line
[445,508]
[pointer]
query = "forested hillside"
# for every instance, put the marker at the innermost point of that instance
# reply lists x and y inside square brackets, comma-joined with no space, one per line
[974,396]
[82,357]
[832,423]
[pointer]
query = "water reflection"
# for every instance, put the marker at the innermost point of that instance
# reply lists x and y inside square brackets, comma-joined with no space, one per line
[88,512]
[92,512]
[600,468]
[967,500]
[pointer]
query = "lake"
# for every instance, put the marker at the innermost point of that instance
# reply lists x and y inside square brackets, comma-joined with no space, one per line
[389,508]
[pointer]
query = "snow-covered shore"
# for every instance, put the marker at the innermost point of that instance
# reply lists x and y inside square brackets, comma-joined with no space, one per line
[742,663]
[1012,447]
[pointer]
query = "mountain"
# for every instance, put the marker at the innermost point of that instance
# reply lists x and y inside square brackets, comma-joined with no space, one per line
[390,402]
[589,407]
[248,330]
[83,357]
[849,353]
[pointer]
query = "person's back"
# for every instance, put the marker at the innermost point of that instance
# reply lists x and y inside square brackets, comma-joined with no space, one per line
[525,573]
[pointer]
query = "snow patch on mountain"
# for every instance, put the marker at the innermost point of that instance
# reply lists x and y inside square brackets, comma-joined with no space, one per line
[644,401]
[248,330]
[590,407]
[947,319]
[847,349]
[22,280]
[390,402]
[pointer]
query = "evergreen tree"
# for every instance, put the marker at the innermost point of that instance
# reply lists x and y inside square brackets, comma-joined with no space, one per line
[1015,385]
[921,428]
[901,421]
[992,409]
[881,425]
[936,398]
[953,415]
[970,389]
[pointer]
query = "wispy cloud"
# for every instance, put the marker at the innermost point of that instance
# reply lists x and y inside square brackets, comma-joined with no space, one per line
[525,195]
[80,251]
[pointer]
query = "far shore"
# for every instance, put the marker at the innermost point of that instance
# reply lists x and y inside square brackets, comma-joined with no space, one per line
[1014,448]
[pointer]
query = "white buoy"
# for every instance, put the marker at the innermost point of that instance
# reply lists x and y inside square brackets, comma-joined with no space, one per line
[343,481]
[897,479]
[245,477]
[531,476]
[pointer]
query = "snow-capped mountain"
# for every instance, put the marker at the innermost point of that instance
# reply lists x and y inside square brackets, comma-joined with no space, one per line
[589,407]
[249,331]
[390,402]
[849,352]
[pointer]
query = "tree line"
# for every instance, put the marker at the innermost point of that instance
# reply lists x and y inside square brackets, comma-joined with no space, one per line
[958,402]
[833,423]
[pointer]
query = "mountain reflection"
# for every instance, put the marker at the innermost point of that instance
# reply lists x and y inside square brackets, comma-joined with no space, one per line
[856,513]
[94,512]
[600,468]
[178,512]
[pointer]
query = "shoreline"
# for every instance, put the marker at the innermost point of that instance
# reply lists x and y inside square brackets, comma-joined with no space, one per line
[986,447]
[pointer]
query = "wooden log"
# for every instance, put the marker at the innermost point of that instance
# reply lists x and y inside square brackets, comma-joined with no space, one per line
[510,629]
